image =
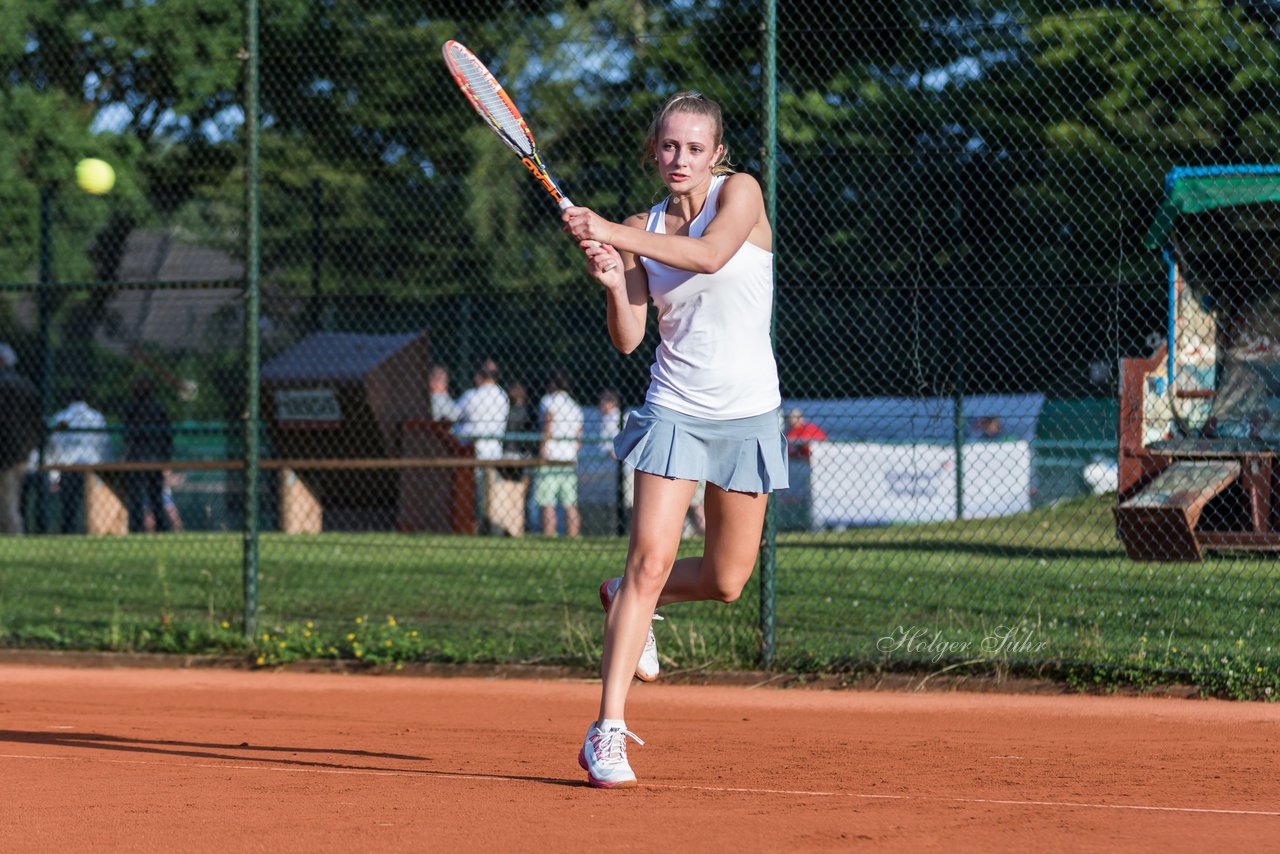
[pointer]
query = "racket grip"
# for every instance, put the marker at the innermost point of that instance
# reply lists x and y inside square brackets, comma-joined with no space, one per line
[565,204]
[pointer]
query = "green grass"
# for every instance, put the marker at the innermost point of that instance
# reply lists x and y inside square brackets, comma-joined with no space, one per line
[926,597]
[1072,605]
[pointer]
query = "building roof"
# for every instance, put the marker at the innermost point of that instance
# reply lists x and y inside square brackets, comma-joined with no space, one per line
[334,356]
[173,318]
[1191,190]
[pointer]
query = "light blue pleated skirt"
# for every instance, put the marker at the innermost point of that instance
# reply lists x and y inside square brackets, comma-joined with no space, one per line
[738,455]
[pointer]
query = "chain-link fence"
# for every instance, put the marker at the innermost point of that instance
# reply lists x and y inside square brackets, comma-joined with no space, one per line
[995,355]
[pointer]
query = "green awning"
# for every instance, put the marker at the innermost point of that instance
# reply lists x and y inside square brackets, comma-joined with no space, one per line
[1191,194]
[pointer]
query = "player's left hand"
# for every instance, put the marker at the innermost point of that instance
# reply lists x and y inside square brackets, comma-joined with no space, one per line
[604,264]
[585,224]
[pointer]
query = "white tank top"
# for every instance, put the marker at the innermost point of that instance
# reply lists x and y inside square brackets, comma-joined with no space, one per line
[715,359]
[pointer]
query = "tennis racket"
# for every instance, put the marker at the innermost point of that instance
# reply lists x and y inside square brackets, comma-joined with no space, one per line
[499,112]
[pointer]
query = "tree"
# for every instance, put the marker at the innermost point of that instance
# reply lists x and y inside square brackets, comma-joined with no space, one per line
[926,151]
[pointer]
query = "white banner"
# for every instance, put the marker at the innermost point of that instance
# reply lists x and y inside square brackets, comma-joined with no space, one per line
[858,483]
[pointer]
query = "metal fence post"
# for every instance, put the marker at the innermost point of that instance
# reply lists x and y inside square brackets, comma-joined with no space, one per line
[252,358]
[958,434]
[768,160]
[45,308]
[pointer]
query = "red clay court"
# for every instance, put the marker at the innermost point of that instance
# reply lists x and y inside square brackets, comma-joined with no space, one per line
[229,760]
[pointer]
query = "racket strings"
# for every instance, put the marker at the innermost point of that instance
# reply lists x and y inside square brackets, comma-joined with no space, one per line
[493,106]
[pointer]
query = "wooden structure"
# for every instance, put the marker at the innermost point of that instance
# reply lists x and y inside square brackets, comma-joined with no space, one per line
[301,510]
[343,396]
[1198,435]
[435,499]
[350,437]
[1159,522]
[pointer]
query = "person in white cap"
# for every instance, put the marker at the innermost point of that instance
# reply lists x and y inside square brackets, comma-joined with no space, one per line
[20,433]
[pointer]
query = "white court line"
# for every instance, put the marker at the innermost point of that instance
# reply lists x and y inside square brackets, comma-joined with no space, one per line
[1112,806]
[955,800]
[369,772]
[450,775]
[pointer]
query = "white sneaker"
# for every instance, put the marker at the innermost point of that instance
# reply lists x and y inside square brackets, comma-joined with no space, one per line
[604,757]
[647,666]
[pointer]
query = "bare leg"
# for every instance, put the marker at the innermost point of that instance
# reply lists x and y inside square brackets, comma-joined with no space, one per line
[653,577]
[549,521]
[657,521]
[734,523]
[572,521]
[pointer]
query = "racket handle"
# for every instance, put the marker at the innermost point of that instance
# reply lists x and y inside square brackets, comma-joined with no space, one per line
[566,204]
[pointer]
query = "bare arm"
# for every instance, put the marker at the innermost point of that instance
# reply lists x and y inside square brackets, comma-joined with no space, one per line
[626,287]
[739,215]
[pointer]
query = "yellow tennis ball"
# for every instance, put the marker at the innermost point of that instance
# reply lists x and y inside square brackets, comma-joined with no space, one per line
[95,176]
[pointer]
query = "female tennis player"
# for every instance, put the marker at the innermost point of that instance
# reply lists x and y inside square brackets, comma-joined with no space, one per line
[704,256]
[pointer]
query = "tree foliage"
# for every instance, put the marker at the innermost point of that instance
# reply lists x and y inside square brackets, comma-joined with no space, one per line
[924,148]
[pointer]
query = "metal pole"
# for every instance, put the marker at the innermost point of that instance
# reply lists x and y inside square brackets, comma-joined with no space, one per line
[768,161]
[44,307]
[316,311]
[959,355]
[958,427]
[251,317]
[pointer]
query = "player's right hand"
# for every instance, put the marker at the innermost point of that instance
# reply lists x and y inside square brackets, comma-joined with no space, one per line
[585,224]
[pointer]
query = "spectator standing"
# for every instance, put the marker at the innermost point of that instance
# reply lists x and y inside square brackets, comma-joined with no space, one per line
[21,429]
[561,419]
[797,502]
[79,438]
[986,429]
[482,415]
[170,505]
[522,426]
[443,407]
[610,411]
[801,433]
[482,419]
[509,490]
[148,437]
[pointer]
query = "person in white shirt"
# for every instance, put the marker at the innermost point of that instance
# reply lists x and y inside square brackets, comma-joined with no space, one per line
[482,415]
[482,418]
[704,257]
[79,438]
[561,420]
[443,407]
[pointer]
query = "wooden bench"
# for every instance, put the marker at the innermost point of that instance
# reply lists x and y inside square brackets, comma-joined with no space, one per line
[1159,522]
[301,510]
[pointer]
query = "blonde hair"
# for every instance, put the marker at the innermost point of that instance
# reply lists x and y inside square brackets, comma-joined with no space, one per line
[698,104]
